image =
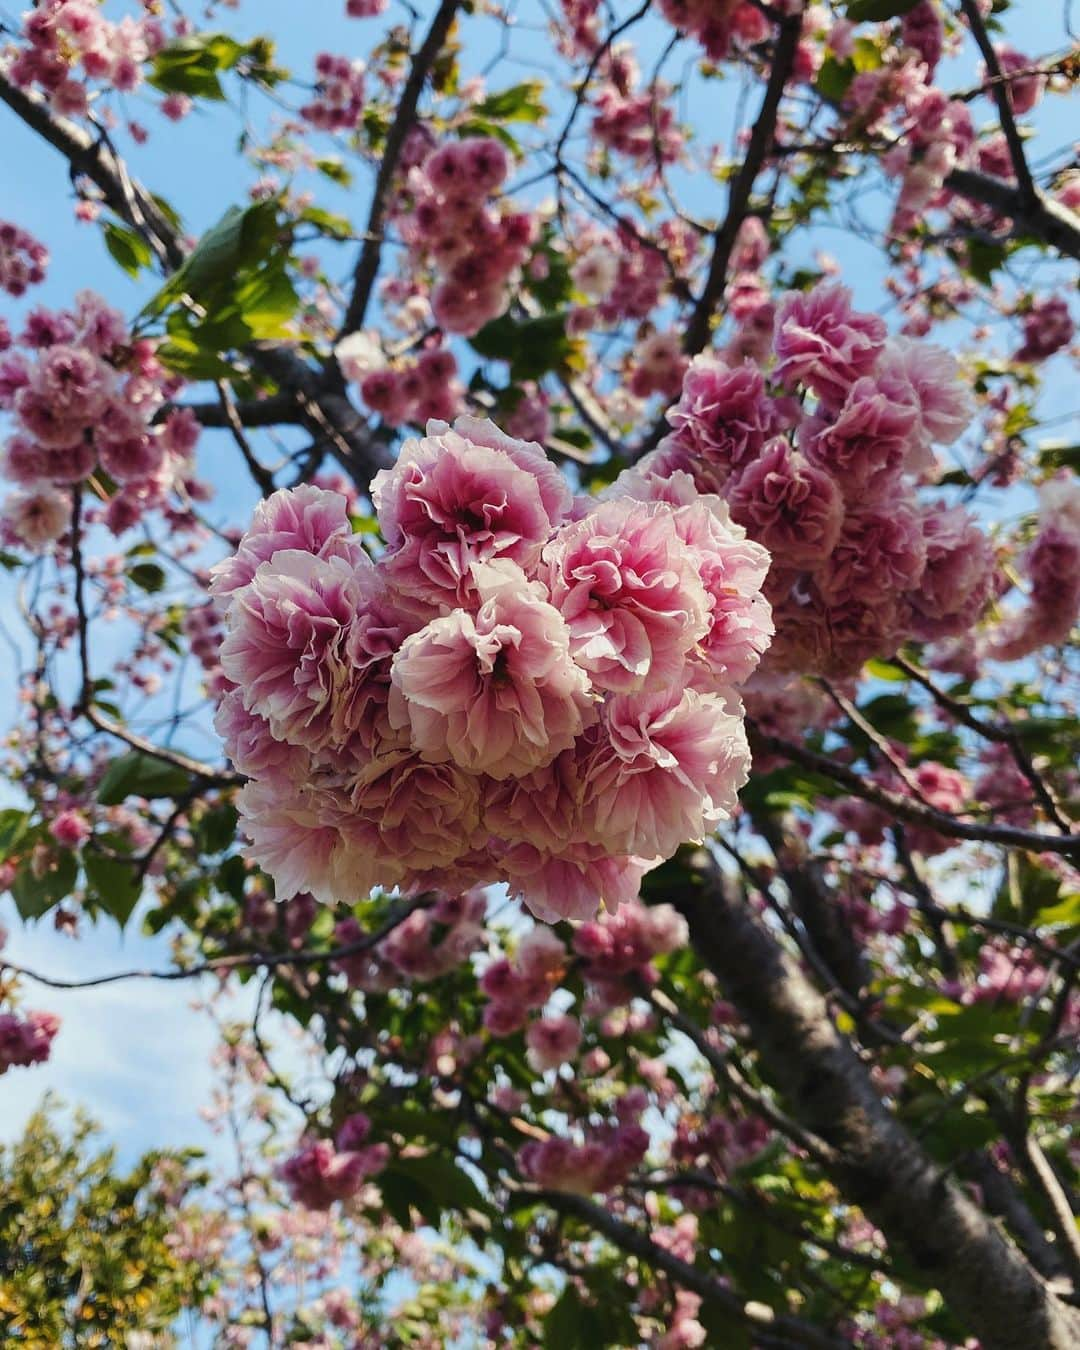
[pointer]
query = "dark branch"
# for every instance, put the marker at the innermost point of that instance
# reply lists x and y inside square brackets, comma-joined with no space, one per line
[219,965]
[905,808]
[880,1166]
[769,1327]
[367,266]
[761,140]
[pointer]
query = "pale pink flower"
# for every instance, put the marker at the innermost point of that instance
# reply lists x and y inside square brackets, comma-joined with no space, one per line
[38,516]
[945,405]
[732,570]
[310,840]
[668,771]
[629,592]
[460,496]
[497,692]
[251,745]
[306,518]
[425,814]
[289,646]
[574,883]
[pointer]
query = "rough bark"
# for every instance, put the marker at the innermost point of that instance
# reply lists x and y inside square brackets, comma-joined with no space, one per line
[879,1166]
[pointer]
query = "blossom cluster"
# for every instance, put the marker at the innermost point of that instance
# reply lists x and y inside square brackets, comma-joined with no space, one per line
[717,26]
[601,1160]
[23,261]
[1052,568]
[84,396]
[70,42]
[430,942]
[637,123]
[339,94]
[446,215]
[818,446]
[524,688]
[26,1040]
[322,1172]
[412,388]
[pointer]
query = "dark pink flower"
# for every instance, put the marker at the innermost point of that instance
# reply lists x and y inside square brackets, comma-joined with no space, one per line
[823,343]
[460,496]
[788,505]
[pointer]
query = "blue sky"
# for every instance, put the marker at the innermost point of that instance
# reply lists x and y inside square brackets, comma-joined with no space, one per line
[136,1053]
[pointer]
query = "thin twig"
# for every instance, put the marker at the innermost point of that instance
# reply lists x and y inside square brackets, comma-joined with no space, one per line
[237,961]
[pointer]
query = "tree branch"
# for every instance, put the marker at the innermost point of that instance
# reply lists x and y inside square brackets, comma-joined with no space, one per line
[769,1327]
[367,266]
[907,809]
[880,1167]
[1000,93]
[761,138]
[237,961]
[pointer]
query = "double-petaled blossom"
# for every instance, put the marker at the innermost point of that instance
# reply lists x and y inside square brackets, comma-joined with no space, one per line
[552,1041]
[460,496]
[666,770]
[288,647]
[498,691]
[320,1174]
[630,593]
[724,416]
[787,504]
[823,343]
[26,1039]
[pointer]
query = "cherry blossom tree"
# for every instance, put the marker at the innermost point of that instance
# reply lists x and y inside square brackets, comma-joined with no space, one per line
[563,592]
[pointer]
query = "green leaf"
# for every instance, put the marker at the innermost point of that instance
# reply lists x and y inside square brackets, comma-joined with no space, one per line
[834,78]
[877,11]
[330,223]
[35,896]
[531,346]
[127,248]
[139,775]
[983,259]
[1066,911]
[520,103]
[148,577]
[114,884]
[241,240]
[335,170]
[430,1183]
[1059,455]
[190,65]
[13,824]
[216,828]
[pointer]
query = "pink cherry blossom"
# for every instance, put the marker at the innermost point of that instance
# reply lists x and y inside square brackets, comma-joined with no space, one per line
[631,596]
[823,343]
[496,692]
[460,496]
[668,772]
